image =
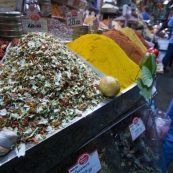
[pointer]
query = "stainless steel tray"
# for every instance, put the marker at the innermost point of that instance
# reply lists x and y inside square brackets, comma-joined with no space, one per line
[10,14]
[56,147]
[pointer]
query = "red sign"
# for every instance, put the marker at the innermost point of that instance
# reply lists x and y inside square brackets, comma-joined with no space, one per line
[83,158]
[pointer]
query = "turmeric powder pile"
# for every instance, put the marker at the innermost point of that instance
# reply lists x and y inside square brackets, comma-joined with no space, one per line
[130,48]
[103,53]
[134,38]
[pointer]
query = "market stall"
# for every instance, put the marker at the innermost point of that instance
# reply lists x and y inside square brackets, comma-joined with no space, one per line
[51,96]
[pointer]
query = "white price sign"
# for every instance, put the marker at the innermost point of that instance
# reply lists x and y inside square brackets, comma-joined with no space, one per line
[74,19]
[30,25]
[89,163]
[136,128]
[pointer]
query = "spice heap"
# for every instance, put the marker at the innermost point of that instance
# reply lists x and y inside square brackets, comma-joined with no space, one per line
[43,84]
[3,47]
[142,39]
[130,48]
[136,156]
[106,56]
[59,29]
[134,38]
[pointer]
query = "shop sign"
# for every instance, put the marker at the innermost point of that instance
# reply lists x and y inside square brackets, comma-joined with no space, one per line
[74,19]
[136,128]
[87,163]
[34,23]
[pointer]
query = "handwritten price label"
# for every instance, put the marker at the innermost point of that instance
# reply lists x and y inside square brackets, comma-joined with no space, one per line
[74,20]
[136,128]
[39,25]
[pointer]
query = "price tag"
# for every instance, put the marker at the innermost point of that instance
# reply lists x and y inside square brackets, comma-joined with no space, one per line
[74,19]
[29,24]
[63,10]
[87,163]
[136,128]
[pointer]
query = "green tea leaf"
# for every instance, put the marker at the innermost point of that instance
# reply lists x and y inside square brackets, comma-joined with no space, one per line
[142,61]
[145,91]
[150,62]
[146,76]
[140,84]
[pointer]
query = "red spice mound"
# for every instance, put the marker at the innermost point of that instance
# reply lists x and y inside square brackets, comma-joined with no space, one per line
[130,48]
[142,39]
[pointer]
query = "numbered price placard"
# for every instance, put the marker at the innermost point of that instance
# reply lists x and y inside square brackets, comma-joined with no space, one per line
[136,128]
[30,25]
[74,20]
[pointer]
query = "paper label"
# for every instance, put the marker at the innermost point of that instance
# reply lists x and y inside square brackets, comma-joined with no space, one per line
[46,9]
[74,19]
[136,128]
[34,24]
[88,163]
[63,10]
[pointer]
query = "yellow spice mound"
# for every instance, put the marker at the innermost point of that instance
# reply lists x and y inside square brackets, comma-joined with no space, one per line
[106,56]
[134,38]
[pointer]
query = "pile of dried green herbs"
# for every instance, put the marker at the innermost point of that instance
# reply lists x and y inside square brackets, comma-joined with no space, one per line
[136,157]
[42,85]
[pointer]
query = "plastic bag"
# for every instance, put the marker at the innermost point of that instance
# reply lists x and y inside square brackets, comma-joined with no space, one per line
[163,123]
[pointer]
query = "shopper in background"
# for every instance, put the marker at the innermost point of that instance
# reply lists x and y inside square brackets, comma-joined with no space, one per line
[164,26]
[169,53]
[165,23]
[145,15]
[167,144]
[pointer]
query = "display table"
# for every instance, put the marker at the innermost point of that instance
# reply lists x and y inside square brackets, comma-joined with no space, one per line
[46,155]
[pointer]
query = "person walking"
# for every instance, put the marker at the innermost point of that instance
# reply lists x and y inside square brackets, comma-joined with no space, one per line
[169,53]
